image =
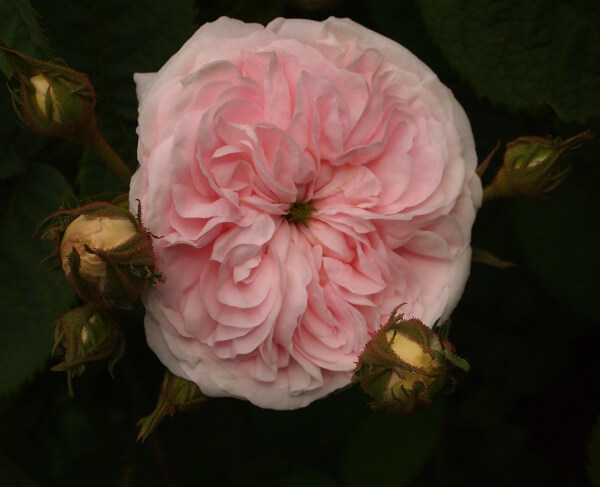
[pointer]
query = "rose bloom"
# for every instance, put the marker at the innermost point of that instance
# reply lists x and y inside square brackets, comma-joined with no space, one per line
[305,179]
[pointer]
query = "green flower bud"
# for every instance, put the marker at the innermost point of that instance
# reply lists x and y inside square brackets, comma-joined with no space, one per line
[405,365]
[176,394]
[51,98]
[534,166]
[84,335]
[104,250]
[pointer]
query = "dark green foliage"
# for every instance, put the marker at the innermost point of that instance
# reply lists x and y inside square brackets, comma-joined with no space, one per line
[523,54]
[19,29]
[31,298]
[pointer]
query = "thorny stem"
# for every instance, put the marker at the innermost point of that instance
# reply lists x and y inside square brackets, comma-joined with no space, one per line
[110,157]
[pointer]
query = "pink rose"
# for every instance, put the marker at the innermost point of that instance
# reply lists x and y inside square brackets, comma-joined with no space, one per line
[306,178]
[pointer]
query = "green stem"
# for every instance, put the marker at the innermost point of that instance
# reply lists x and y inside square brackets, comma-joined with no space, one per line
[110,157]
[500,187]
[489,193]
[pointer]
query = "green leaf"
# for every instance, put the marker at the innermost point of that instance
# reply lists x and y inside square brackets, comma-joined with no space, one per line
[19,30]
[388,449]
[408,30]
[31,298]
[11,163]
[523,54]
[593,452]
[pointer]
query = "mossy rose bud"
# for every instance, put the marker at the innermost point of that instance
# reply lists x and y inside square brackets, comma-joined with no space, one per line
[51,98]
[423,358]
[84,335]
[104,251]
[94,233]
[404,366]
[534,166]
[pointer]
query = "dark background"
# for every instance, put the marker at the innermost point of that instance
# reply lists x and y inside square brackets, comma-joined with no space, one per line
[525,413]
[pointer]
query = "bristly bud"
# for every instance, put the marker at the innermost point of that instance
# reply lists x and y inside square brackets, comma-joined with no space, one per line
[534,166]
[51,98]
[104,250]
[405,365]
[176,394]
[84,335]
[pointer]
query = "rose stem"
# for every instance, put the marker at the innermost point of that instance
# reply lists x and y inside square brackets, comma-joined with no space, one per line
[110,157]
[489,193]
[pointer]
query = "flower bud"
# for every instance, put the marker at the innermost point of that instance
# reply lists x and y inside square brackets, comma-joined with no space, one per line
[52,99]
[96,233]
[534,166]
[105,252]
[405,365]
[84,335]
[176,394]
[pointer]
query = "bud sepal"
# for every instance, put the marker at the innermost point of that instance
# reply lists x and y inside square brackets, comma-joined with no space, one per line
[406,364]
[176,394]
[84,335]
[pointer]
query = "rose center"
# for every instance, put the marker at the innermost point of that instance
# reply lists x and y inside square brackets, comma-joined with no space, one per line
[300,213]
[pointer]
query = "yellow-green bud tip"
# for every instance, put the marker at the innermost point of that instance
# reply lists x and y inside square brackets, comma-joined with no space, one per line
[45,97]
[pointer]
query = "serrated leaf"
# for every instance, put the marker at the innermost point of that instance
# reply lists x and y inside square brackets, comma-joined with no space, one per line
[19,29]
[31,298]
[523,54]
[388,449]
